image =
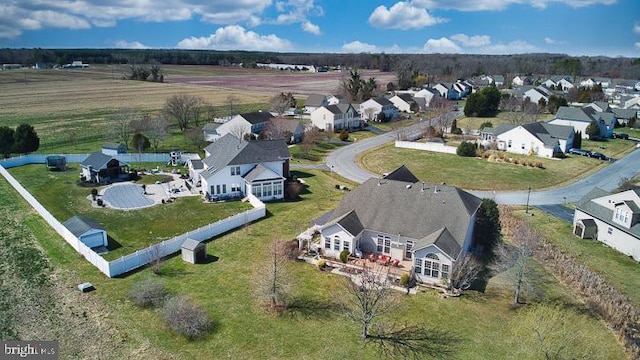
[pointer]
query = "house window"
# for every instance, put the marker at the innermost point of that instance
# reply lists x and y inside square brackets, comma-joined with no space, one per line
[327,243]
[266,189]
[217,189]
[257,190]
[345,245]
[445,271]
[383,244]
[610,231]
[407,249]
[336,243]
[277,189]
[224,188]
[235,187]
[235,170]
[417,266]
[432,265]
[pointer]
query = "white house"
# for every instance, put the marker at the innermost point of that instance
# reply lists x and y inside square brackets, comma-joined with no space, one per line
[113,149]
[242,125]
[235,168]
[87,231]
[210,131]
[399,217]
[540,139]
[613,219]
[336,117]
[403,102]
[521,81]
[537,93]
[426,94]
[564,82]
[442,89]
[314,101]
[580,118]
[370,109]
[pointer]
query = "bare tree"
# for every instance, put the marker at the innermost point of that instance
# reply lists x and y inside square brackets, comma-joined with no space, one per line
[310,138]
[155,257]
[231,102]
[157,131]
[528,113]
[370,114]
[367,298]
[184,109]
[516,259]
[280,103]
[239,131]
[465,272]
[441,111]
[277,128]
[274,280]
[119,125]
[186,317]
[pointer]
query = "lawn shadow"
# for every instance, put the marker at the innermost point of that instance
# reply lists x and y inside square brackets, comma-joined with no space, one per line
[208,260]
[112,244]
[308,308]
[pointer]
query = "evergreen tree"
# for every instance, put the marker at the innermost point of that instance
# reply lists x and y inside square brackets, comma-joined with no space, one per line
[593,129]
[6,141]
[25,139]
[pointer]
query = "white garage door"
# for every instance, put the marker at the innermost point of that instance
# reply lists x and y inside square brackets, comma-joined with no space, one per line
[93,240]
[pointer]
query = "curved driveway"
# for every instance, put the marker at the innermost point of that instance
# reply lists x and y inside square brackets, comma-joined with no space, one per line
[342,161]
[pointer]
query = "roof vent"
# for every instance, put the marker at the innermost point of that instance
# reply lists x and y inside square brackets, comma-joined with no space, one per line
[408,186]
[435,189]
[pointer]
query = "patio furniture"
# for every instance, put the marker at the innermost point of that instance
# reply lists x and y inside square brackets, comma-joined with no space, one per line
[395,262]
[358,253]
[384,259]
[372,257]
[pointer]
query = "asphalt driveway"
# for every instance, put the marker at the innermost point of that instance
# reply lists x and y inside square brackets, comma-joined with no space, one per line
[560,211]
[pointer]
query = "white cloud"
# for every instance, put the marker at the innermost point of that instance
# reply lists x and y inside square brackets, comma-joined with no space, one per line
[311,28]
[403,16]
[636,28]
[359,47]
[234,37]
[123,44]
[19,16]
[442,46]
[472,41]
[297,11]
[513,47]
[637,45]
[497,5]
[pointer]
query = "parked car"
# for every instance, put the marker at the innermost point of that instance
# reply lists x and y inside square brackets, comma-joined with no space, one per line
[598,155]
[577,151]
[621,136]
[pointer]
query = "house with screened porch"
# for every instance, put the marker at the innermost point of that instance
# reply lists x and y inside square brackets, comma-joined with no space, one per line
[399,218]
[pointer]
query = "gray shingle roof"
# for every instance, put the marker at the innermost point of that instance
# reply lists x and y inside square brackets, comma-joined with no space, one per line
[382,101]
[258,170]
[79,225]
[574,114]
[502,128]
[113,146]
[602,213]
[315,100]
[210,126]
[190,244]
[624,113]
[549,133]
[229,150]
[197,164]
[257,117]
[394,207]
[97,160]
[443,239]
[402,174]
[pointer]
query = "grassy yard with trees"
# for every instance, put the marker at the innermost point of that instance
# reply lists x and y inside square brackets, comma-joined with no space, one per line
[483,323]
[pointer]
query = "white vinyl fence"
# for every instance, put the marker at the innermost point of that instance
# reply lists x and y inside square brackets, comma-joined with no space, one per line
[78,158]
[428,146]
[141,257]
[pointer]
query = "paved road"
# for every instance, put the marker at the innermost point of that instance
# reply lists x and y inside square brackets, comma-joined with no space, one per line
[342,161]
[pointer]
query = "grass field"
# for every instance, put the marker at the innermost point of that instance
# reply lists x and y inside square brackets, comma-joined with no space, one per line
[128,230]
[473,123]
[480,174]
[482,322]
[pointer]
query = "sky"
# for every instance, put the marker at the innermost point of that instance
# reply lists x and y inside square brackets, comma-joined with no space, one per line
[575,27]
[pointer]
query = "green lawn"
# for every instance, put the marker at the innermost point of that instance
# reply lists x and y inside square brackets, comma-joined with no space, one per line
[129,230]
[478,173]
[618,269]
[474,123]
[481,321]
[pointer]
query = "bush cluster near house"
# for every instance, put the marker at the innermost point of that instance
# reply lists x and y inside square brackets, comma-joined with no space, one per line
[467,149]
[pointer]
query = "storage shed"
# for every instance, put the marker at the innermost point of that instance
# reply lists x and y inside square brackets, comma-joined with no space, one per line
[194,251]
[87,231]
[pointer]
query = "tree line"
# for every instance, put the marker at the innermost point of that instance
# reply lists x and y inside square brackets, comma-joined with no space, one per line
[23,139]
[435,67]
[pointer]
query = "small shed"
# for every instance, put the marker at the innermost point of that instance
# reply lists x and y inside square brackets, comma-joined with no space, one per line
[87,231]
[194,251]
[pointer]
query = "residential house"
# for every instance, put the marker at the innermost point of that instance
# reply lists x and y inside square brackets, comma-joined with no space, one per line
[336,99]
[314,101]
[442,89]
[282,128]
[497,80]
[241,125]
[539,138]
[336,117]
[537,93]
[195,167]
[580,118]
[370,109]
[114,149]
[210,131]
[591,82]
[234,168]
[521,81]
[599,106]
[627,86]
[99,167]
[459,90]
[404,102]
[559,82]
[613,219]
[427,94]
[429,225]
[87,231]
[625,116]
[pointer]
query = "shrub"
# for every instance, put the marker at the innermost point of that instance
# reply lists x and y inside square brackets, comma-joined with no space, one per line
[467,149]
[404,279]
[100,202]
[344,135]
[94,192]
[486,124]
[539,165]
[344,255]
[148,293]
[185,317]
